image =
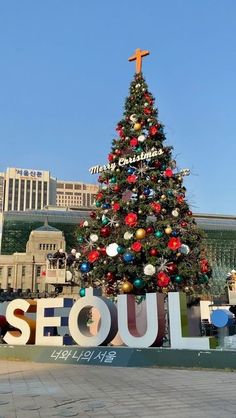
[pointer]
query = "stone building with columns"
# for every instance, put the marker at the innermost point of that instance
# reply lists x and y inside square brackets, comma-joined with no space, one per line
[25,270]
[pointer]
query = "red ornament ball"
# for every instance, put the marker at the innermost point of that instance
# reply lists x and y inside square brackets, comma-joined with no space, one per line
[163,279]
[172,268]
[168,172]
[103,250]
[131,219]
[149,230]
[153,178]
[180,199]
[174,243]
[153,130]
[110,276]
[190,213]
[153,252]
[111,157]
[183,224]
[136,246]
[93,256]
[133,142]
[116,207]
[99,196]
[116,188]
[156,207]
[105,231]
[93,215]
[132,179]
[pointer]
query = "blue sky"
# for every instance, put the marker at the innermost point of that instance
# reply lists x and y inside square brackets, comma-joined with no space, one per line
[64,76]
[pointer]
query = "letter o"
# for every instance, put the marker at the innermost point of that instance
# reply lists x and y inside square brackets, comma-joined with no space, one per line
[78,328]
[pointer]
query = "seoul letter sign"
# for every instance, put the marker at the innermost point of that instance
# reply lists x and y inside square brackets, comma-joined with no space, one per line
[115,319]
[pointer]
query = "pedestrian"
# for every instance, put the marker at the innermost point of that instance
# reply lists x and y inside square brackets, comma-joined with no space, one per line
[59,258]
[71,258]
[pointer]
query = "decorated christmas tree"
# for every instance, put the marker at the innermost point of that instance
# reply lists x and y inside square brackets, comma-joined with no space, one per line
[141,237]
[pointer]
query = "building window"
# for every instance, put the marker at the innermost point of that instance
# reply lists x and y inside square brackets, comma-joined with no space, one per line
[69,186]
[27,206]
[1,269]
[38,271]
[22,194]
[39,195]
[45,193]
[84,187]
[16,194]
[9,272]
[23,271]
[10,194]
[33,194]
[60,185]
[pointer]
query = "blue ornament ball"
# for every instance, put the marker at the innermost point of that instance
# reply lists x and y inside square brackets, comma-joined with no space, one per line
[146,192]
[175,233]
[82,292]
[131,170]
[128,257]
[85,267]
[106,206]
[139,283]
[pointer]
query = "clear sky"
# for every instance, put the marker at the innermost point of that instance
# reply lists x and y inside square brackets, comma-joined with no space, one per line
[64,76]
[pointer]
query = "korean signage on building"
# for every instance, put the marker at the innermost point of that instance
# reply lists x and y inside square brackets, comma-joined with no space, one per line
[23,172]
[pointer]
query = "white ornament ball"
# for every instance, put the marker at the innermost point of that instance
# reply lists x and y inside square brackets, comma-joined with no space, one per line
[133,118]
[128,235]
[85,223]
[111,249]
[93,237]
[149,270]
[175,213]
[141,138]
[77,256]
[137,86]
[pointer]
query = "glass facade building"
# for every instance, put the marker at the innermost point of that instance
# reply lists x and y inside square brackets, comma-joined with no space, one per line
[220,233]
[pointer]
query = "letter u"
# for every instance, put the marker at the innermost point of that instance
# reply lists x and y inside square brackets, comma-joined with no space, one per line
[155,321]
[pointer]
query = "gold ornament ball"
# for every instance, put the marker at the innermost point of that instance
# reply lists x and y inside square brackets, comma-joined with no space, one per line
[127,287]
[117,225]
[140,233]
[140,211]
[163,197]
[168,230]
[134,190]
[137,126]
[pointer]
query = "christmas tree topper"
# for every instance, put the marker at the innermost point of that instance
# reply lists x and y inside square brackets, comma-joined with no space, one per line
[139,54]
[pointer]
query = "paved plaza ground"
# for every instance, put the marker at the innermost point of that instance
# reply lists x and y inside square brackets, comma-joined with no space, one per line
[30,390]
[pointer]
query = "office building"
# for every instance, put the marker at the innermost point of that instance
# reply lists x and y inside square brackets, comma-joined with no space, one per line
[74,194]
[23,189]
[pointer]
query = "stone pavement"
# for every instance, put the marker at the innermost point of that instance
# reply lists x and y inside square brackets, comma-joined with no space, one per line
[30,390]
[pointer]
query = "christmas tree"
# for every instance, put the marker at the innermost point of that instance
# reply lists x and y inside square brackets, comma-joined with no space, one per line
[142,236]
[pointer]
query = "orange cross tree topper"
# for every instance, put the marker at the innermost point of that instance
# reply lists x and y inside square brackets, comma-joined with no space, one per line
[138,56]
